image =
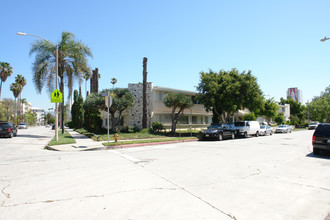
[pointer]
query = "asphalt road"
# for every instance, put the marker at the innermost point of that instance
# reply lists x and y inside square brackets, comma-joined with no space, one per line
[273,177]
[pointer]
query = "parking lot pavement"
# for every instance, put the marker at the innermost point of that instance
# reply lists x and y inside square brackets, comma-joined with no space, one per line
[272,177]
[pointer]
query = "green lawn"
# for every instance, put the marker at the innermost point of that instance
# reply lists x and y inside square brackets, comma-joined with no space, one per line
[65,138]
[144,134]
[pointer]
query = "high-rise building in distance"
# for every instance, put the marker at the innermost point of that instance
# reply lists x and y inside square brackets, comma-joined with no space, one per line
[295,94]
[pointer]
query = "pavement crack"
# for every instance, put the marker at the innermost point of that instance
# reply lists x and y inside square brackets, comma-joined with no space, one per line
[252,174]
[191,193]
[7,195]
[86,197]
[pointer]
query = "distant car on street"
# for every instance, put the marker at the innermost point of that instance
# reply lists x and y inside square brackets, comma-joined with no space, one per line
[7,129]
[265,130]
[22,126]
[218,131]
[312,125]
[283,129]
[321,138]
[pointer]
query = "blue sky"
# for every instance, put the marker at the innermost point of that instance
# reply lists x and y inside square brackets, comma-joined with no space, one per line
[279,41]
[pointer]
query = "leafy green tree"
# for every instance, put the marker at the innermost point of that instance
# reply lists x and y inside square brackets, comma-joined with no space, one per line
[77,111]
[270,109]
[5,71]
[226,92]
[7,110]
[122,99]
[178,102]
[296,110]
[319,108]
[92,108]
[72,63]
[249,117]
[279,118]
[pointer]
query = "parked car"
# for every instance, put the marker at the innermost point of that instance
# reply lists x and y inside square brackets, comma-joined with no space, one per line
[22,126]
[312,125]
[7,129]
[283,129]
[246,128]
[47,125]
[321,138]
[218,131]
[265,130]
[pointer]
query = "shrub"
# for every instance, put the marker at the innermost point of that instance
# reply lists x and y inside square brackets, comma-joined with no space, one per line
[249,117]
[157,126]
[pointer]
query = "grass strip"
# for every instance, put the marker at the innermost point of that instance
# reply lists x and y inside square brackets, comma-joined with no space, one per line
[155,140]
[65,138]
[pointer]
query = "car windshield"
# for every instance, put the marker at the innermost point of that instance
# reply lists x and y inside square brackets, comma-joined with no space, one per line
[215,126]
[22,124]
[282,126]
[3,125]
[262,126]
[239,123]
[313,124]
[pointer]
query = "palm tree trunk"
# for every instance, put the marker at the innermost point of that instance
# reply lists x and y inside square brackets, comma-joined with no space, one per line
[0,89]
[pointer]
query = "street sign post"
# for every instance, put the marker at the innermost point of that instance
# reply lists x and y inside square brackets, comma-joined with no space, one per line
[108,103]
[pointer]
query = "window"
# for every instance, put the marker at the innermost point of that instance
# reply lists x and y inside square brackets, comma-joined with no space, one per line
[184,120]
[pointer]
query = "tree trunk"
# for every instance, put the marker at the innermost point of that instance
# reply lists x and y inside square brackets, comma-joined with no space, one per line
[145,110]
[62,104]
[0,89]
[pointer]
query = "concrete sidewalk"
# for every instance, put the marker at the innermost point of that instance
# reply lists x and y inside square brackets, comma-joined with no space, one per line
[83,143]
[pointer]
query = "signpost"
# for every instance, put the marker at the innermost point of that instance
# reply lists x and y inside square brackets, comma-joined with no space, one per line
[108,103]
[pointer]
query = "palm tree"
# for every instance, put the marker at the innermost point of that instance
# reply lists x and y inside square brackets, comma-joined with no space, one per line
[86,76]
[16,89]
[113,82]
[5,71]
[22,82]
[72,62]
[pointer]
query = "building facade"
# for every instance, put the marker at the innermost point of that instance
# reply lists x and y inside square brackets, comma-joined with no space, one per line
[40,115]
[295,94]
[194,117]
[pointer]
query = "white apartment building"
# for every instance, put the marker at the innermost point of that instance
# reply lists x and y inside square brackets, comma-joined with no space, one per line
[40,115]
[194,117]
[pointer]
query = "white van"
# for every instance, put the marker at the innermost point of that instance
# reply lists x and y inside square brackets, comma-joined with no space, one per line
[246,128]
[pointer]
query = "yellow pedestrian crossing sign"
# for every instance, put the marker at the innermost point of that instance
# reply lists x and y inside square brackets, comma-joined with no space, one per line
[56,96]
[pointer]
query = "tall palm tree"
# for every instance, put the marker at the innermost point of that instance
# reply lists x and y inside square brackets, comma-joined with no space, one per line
[72,62]
[16,89]
[113,82]
[5,71]
[22,82]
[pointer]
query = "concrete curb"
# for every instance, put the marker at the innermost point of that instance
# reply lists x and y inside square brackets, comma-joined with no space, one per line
[147,144]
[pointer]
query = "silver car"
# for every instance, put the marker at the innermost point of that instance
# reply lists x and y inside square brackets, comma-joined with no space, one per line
[265,130]
[22,126]
[283,129]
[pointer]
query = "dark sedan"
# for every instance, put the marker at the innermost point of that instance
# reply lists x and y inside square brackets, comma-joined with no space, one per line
[7,129]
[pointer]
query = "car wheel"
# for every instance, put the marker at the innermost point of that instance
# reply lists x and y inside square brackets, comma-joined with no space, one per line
[10,135]
[232,135]
[220,137]
[257,134]
[245,135]
[271,133]
[316,151]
